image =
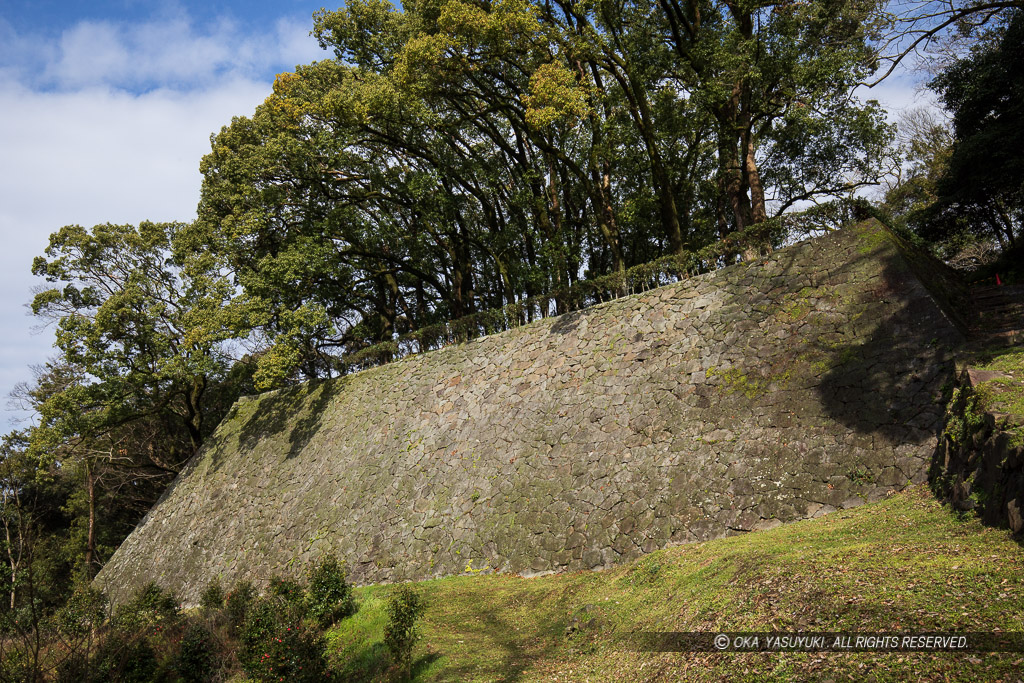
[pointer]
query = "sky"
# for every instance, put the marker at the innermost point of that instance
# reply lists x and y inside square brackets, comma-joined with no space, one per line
[106,108]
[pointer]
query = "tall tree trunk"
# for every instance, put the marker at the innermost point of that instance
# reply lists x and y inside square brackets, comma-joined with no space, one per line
[1004,220]
[193,413]
[640,112]
[731,176]
[90,542]
[548,221]
[600,179]
[457,304]
[752,179]
[758,208]
[14,562]
[605,213]
[558,238]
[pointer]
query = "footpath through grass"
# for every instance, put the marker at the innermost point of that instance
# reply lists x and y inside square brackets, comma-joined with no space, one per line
[905,564]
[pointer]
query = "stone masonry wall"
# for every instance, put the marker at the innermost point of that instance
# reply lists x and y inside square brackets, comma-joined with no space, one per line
[766,392]
[980,466]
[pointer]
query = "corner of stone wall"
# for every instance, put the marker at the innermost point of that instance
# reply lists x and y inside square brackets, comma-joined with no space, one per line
[979,466]
[944,284]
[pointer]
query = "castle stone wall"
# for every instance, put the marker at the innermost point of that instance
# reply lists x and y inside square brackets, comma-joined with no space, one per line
[766,392]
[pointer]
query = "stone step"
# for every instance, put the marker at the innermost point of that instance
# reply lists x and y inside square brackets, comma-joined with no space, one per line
[998,315]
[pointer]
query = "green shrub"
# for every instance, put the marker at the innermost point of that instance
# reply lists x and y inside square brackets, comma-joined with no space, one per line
[213,596]
[76,623]
[82,613]
[288,589]
[196,659]
[400,633]
[238,602]
[328,595]
[277,646]
[125,658]
[72,669]
[151,607]
[15,665]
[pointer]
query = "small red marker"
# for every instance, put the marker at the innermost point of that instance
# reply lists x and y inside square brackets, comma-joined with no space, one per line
[998,281]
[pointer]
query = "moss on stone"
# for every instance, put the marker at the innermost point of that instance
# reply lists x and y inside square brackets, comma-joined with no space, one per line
[579,441]
[873,237]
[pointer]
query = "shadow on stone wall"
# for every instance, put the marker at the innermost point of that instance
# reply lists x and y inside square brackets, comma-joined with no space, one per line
[905,362]
[298,411]
[568,322]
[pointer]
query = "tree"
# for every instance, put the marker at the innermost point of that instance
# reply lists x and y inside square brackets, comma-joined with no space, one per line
[925,142]
[33,538]
[983,184]
[777,79]
[143,374]
[460,156]
[934,31]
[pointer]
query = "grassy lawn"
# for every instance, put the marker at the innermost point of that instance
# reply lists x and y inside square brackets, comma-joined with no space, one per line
[904,564]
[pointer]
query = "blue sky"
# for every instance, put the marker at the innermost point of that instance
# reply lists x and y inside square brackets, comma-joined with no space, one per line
[53,16]
[106,108]
[138,45]
[105,111]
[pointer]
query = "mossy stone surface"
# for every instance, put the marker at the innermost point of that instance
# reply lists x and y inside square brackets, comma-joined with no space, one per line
[762,393]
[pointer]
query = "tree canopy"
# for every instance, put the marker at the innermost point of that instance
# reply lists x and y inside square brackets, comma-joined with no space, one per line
[984,179]
[964,188]
[461,156]
[143,374]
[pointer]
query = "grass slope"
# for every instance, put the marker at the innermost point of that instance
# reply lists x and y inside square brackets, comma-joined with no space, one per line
[904,564]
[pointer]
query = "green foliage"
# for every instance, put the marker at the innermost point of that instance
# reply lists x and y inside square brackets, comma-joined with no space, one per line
[213,596]
[84,612]
[124,298]
[455,160]
[555,95]
[860,475]
[980,190]
[964,416]
[274,637]
[151,608]
[238,603]
[328,594]
[404,608]
[277,645]
[16,666]
[288,589]
[196,659]
[141,379]
[125,657]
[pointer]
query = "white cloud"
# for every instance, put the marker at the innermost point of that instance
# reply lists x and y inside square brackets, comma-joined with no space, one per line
[108,124]
[296,44]
[902,91]
[167,51]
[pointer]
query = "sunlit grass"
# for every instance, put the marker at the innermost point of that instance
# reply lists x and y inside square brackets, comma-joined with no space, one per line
[904,564]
